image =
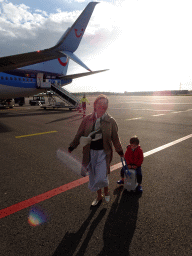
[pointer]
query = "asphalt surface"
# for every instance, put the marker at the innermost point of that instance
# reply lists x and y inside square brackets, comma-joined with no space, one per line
[158,222]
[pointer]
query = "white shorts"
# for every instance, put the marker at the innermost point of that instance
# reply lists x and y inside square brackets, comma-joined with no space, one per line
[97,170]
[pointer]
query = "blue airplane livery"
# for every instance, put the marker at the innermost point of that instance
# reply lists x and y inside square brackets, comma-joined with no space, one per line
[27,74]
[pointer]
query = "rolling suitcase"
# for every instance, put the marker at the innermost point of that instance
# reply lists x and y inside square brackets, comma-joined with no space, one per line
[130,181]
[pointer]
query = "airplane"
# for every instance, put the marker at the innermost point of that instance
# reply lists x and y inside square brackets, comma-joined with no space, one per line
[27,74]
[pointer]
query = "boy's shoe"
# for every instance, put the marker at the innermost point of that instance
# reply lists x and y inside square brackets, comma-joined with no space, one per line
[139,189]
[120,182]
[107,199]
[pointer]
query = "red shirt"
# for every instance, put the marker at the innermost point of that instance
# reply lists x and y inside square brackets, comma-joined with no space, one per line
[134,157]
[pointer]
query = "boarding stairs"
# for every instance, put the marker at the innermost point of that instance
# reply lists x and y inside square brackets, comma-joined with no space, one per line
[65,95]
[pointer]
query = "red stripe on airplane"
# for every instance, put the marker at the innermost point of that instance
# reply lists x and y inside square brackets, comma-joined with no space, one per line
[79,34]
[63,63]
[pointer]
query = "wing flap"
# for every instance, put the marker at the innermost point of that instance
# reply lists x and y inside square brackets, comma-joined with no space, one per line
[74,76]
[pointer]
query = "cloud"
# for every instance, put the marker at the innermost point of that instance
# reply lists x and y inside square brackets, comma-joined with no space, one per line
[16,14]
[80,1]
[43,12]
[24,30]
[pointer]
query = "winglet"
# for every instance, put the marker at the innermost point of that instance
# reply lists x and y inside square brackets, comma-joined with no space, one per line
[76,59]
[72,38]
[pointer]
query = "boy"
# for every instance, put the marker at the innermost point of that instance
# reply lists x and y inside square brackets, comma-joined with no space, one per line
[134,159]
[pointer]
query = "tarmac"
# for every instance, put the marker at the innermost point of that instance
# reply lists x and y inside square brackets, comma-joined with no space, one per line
[45,208]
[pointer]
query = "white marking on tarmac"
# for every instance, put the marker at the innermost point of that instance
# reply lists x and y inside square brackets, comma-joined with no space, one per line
[176,112]
[153,151]
[159,115]
[167,145]
[136,118]
[154,110]
[181,111]
[170,103]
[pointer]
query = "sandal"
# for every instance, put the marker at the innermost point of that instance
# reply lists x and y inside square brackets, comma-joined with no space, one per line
[96,202]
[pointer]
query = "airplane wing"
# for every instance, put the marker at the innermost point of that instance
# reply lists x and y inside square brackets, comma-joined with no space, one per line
[21,60]
[68,43]
[82,74]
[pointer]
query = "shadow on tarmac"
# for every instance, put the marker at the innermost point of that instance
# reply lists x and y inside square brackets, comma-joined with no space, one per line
[34,112]
[120,224]
[118,230]
[66,118]
[4,128]
[71,241]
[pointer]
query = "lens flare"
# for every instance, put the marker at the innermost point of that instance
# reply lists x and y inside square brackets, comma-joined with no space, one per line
[37,216]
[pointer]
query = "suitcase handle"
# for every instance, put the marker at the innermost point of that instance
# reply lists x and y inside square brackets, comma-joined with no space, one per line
[126,169]
[123,160]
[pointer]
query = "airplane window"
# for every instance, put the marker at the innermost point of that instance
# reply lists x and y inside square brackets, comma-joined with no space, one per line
[27,79]
[11,78]
[15,78]
[6,78]
[31,80]
[19,79]
[23,79]
[2,77]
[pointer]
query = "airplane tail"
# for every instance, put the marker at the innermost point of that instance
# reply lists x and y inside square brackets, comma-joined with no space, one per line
[67,44]
[72,37]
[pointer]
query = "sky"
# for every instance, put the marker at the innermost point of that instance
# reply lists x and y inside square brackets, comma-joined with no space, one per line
[145,44]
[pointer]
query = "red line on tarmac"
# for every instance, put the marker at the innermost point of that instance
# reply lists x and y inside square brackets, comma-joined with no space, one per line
[42,197]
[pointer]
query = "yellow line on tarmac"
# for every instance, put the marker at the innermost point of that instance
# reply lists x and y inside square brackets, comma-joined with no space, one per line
[29,135]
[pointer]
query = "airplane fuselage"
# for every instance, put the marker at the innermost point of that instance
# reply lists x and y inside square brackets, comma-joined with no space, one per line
[24,83]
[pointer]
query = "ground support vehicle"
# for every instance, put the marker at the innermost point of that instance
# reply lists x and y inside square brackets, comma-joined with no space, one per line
[56,105]
[6,103]
[20,101]
[37,100]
